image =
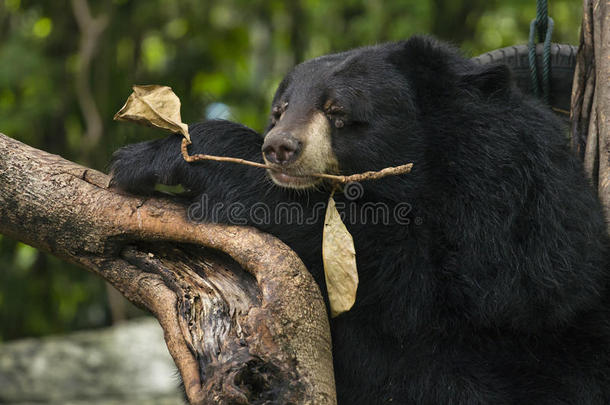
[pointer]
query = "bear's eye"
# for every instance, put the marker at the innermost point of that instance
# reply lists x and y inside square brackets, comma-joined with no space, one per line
[277,111]
[336,115]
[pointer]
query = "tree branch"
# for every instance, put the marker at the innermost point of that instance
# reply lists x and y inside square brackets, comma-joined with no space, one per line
[91,30]
[236,336]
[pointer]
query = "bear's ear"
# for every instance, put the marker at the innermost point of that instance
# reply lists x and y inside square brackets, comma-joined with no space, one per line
[424,57]
[489,80]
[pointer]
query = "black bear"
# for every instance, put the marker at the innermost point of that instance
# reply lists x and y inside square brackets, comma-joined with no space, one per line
[484,273]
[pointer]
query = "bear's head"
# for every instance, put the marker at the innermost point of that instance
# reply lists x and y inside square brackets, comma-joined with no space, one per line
[362,109]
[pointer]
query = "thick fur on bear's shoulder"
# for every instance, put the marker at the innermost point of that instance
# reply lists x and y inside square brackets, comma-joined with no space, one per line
[484,273]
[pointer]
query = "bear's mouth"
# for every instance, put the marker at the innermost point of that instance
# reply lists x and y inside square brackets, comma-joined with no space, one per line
[283,179]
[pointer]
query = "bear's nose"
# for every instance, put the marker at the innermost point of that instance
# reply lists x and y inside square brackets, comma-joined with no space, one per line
[281,149]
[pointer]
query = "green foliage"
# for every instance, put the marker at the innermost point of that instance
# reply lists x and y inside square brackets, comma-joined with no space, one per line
[219,57]
[40,294]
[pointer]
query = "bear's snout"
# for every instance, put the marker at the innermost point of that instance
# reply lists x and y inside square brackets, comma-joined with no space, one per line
[299,150]
[281,148]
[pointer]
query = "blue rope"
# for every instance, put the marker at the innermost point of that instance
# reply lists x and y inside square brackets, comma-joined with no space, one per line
[543,26]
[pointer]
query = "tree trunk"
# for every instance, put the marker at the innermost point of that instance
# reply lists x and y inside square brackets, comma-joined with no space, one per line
[242,317]
[590,110]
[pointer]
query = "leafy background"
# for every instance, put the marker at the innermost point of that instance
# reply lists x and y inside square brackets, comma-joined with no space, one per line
[223,58]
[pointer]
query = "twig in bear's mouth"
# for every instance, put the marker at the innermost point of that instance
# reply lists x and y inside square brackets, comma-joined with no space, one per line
[370,175]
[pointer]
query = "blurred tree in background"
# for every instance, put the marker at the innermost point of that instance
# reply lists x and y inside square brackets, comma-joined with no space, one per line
[66,69]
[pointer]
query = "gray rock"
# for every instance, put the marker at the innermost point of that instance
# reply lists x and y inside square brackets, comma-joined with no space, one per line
[125,364]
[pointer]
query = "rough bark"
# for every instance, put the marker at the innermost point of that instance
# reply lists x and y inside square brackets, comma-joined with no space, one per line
[242,317]
[590,110]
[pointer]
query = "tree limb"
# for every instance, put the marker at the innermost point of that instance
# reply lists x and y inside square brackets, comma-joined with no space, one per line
[236,336]
[91,29]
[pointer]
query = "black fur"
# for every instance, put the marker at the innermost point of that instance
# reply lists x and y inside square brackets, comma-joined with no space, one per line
[495,292]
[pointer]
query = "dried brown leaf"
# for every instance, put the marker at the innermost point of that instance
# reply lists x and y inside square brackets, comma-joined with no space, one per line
[339,257]
[154,106]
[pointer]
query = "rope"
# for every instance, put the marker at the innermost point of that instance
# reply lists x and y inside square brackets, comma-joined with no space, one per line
[543,26]
[542,13]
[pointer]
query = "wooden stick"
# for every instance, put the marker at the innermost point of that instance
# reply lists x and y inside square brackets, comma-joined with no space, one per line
[370,175]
